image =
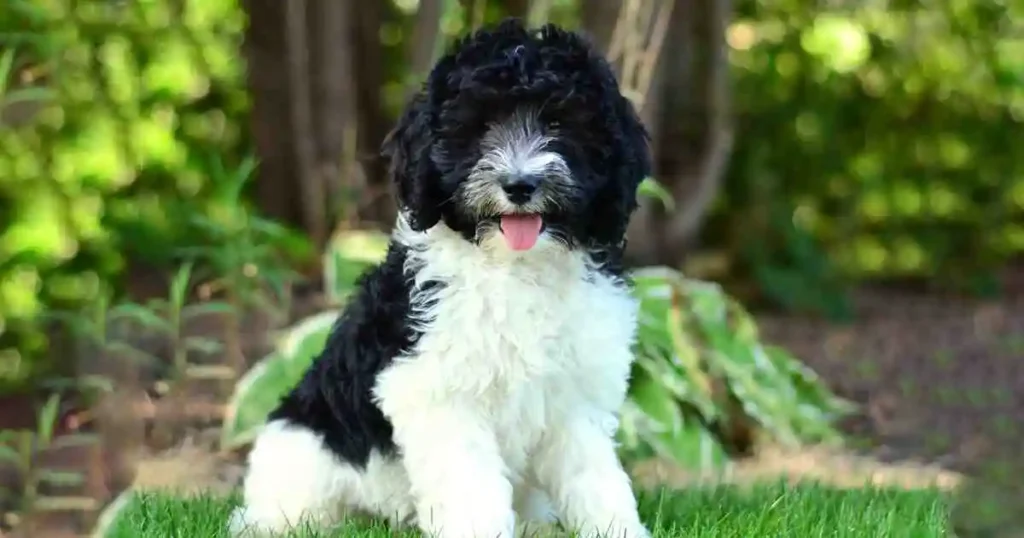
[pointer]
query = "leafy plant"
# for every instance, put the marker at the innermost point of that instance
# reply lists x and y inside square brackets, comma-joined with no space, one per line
[111,515]
[349,254]
[701,367]
[106,110]
[22,449]
[248,255]
[167,317]
[259,390]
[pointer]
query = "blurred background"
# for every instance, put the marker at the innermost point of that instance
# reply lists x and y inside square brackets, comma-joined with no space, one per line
[852,172]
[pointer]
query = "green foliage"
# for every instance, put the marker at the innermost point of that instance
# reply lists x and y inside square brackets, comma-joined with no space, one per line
[699,353]
[259,390]
[692,338]
[885,133]
[874,142]
[115,107]
[21,449]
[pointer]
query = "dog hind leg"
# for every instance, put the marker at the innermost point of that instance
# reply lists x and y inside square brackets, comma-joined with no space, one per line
[292,480]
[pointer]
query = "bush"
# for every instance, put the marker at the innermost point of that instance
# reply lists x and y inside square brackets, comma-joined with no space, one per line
[123,128]
[891,150]
[701,369]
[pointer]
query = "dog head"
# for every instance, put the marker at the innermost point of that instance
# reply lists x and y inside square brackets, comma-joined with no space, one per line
[518,136]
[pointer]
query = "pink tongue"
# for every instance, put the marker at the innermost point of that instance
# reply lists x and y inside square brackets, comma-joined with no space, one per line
[521,231]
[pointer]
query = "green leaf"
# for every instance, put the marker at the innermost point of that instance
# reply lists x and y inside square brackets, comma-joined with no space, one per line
[10,455]
[21,95]
[60,478]
[254,397]
[179,287]
[75,440]
[135,354]
[691,333]
[210,371]
[259,390]
[656,402]
[98,382]
[206,346]
[206,308]
[348,255]
[109,518]
[694,447]
[140,314]
[6,65]
[47,419]
[650,188]
[65,504]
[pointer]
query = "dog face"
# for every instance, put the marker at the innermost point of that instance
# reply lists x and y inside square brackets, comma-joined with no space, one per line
[518,134]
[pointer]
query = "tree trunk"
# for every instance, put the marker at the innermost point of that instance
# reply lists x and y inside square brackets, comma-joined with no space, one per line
[693,149]
[515,8]
[598,21]
[690,89]
[425,42]
[265,53]
[334,104]
[304,117]
[375,203]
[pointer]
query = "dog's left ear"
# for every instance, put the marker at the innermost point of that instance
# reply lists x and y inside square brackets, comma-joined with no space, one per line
[417,180]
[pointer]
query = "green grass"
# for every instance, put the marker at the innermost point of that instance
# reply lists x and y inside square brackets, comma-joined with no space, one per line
[769,511]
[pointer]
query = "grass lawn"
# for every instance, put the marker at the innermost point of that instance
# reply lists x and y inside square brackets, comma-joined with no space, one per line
[764,511]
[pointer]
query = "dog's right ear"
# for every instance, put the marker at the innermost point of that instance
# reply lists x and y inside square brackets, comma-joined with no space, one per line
[417,180]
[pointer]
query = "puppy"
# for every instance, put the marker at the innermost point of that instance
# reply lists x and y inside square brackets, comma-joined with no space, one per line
[475,377]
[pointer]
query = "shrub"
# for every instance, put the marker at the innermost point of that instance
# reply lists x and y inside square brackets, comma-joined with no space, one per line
[113,112]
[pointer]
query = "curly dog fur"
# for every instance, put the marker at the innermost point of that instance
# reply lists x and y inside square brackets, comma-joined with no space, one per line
[474,380]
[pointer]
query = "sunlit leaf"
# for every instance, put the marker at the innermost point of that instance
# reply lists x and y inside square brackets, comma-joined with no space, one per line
[260,389]
[650,188]
[61,478]
[140,314]
[47,419]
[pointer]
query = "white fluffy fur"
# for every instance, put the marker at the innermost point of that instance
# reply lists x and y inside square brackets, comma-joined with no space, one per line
[505,410]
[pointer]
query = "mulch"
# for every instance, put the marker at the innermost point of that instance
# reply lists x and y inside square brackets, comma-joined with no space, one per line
[939,378]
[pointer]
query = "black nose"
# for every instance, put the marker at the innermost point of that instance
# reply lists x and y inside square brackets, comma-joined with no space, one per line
[520,189]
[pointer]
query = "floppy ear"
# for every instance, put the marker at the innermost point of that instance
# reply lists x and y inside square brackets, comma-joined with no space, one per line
[408,147]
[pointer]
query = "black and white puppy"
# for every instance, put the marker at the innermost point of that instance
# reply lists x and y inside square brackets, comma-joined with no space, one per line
[475,378]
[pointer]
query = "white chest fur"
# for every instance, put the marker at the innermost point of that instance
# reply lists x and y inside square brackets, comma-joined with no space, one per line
[519,339]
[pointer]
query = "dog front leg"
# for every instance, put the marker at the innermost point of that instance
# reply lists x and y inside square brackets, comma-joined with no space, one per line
[578,466]
[457,475]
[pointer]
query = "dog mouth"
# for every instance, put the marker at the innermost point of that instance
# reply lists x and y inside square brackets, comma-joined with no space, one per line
[521,230]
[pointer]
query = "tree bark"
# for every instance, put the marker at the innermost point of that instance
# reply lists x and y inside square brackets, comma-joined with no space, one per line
[305,117]
[694,149]
[598,21]
[334,103]
[423,46]
[267,73]
[515,8]
[687,114]
[311,191]
[375,205]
